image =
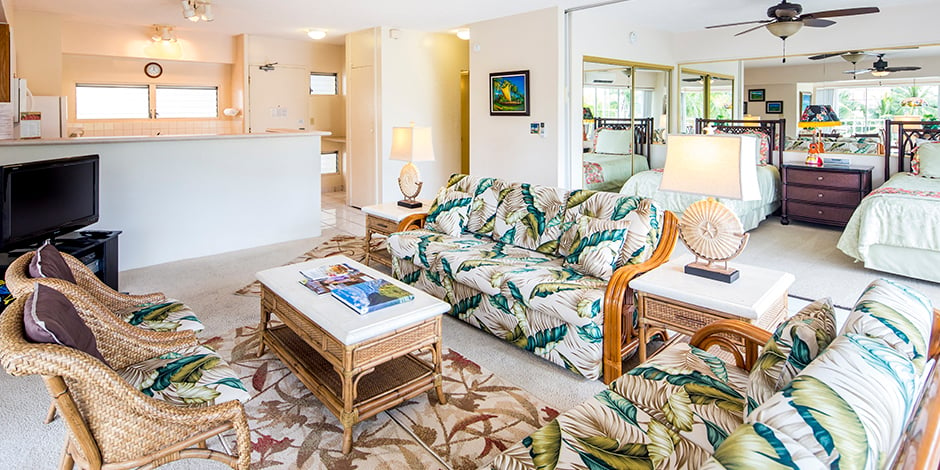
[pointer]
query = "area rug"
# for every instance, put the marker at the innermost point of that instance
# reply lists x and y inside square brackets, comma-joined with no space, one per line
[348,245]
[291,429]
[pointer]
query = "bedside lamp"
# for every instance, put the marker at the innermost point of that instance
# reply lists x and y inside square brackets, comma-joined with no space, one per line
[814,117]
[411,144]
[716,166]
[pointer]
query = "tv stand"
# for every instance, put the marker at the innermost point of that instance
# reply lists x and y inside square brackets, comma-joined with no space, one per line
[98,249]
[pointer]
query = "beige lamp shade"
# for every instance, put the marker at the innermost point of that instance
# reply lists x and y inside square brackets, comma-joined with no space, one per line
[712,165]
[412,144]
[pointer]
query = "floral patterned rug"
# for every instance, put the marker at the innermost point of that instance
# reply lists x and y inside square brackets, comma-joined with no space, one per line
[291,429]
[348,245]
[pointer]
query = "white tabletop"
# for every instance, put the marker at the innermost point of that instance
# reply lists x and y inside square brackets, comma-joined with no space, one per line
[751,295]
[340,320]
[392,211]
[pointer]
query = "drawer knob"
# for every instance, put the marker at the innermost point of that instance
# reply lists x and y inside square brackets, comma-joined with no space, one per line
[819,212]
[819,178]
[819,195]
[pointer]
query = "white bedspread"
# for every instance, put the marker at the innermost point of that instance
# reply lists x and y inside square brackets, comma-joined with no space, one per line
[751,213]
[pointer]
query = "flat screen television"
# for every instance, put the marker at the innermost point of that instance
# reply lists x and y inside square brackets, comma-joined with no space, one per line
[46,199]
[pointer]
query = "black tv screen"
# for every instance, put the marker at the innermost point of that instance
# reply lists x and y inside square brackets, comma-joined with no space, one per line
[48,198]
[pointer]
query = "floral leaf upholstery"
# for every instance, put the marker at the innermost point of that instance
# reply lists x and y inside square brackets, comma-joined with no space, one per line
[594,245]
[484,265]
[847,408]
[194,376]
[170,315]
[763,141]
[690,390]
[530,216]
[897,314]
[757,446]
[423,246]
[643,216]
[486,196]
[449,212]
[794,344]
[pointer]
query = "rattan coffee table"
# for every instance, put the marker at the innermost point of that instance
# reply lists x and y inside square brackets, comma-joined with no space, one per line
[357,365]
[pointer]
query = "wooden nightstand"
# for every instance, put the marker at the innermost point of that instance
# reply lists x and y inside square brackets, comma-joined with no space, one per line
[383,219]
[823,195]
[669,298]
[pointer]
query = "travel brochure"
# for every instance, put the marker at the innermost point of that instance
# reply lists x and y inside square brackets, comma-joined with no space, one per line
[354,288]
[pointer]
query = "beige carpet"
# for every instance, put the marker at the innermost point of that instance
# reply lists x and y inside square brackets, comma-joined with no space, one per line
[292,429]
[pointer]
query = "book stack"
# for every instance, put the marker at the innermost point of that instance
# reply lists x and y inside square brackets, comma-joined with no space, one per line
[354,288]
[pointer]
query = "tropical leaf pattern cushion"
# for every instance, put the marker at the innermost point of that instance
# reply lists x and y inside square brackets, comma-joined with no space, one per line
[486,194]
[483,266]
[449,212]
[643,216]
[530,216]
[424,246]
[594,245]
[757,446]
[897,314]
[795,343]
[848,408]
[194,376]
[169,315]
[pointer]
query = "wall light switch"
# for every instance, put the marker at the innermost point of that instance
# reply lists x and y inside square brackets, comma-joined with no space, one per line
[311,121]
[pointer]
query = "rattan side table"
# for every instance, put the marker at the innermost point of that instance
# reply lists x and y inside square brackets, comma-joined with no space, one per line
[669,298]
[383,219]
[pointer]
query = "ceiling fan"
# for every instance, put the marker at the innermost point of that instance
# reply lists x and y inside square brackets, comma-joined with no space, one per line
[786,19]
[880,68]
[701,79]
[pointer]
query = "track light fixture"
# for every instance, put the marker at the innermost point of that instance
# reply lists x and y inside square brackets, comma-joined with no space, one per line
[163,33]
[196,10]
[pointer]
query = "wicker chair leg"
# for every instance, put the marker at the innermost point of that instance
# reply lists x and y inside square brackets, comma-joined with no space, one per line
[67,462]
[50,416]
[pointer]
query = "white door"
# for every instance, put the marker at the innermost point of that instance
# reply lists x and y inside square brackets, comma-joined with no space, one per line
[277,99]
[362,183]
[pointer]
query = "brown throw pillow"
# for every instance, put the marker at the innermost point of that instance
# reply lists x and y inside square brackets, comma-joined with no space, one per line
[48,262]
[49,317]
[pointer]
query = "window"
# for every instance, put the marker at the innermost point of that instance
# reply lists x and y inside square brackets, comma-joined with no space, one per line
[112,101]
[187,102]
[863,109]
[323,83]
[329,163]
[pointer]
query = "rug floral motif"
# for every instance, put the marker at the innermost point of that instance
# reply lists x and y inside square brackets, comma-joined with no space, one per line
[350,246]
[290,428]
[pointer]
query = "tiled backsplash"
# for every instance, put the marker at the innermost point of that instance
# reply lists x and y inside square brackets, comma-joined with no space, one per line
[117,127]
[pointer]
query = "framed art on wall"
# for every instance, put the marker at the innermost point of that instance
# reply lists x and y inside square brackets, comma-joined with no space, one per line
[509,93]
[773,107]
[756,94]
[806,98]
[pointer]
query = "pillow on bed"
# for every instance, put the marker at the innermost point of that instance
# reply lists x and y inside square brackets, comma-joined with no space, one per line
[762,137]
[619,141]
[926,159]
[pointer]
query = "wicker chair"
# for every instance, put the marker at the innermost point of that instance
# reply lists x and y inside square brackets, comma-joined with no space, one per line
[111,424]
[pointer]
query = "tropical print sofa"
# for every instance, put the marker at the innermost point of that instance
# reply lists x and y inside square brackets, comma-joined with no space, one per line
[812,399]
[541,267]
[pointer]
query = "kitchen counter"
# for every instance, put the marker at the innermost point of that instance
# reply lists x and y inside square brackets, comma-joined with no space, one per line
[152,138]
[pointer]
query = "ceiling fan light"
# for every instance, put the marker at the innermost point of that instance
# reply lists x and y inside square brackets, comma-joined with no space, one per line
[880,73]
[853,57]
[464,34]
[784,29]
[316,34]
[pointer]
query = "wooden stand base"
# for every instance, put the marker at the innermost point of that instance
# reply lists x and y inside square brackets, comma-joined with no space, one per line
[409,204]
[728,275]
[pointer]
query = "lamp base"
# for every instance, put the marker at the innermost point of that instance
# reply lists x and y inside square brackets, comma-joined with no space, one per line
[714,273]
[410,204]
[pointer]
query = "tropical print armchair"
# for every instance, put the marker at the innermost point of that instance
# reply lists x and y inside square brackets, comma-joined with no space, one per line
[534,265]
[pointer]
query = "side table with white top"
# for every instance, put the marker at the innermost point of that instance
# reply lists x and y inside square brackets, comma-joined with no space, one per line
[383,219]
[669,298]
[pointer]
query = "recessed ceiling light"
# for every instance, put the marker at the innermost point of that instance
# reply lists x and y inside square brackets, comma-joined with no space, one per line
[463,34]
[316,34]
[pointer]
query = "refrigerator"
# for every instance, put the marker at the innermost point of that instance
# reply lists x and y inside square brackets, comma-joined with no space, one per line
[54,115]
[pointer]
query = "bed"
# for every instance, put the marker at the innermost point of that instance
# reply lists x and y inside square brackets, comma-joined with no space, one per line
[751,213]
[896,228]
[621,149]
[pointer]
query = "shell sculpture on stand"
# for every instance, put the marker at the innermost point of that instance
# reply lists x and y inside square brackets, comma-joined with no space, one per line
[714,235]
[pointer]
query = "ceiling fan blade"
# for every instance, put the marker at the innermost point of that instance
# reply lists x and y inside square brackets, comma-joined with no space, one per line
[902,69]
[826,56]
[817,23]
[753,29]
[857,72]
[842,12]
[737,24]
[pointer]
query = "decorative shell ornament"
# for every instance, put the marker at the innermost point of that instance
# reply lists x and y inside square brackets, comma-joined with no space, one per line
[409,181]
[711,231]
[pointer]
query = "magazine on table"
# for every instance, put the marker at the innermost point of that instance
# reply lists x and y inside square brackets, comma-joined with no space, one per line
[323,279]
[372,295]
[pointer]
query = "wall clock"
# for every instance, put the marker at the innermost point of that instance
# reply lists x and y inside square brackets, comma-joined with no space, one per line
[153,70]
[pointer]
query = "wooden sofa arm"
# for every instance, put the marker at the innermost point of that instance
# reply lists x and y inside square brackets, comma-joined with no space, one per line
[412,221]
[721,333]
[618,299]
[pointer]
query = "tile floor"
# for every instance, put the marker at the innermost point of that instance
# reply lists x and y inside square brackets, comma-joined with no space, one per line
[336,215]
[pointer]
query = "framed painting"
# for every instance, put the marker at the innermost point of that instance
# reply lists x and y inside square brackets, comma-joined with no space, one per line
[509,93]
[806,98]
[773,107]
[756,94]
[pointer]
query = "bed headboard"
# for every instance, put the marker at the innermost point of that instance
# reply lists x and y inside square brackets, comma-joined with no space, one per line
[775,128]
[642,131]
[907,133]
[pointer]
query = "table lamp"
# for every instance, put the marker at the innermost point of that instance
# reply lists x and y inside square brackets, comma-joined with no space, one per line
[719,165]
[411,144]
[814,117]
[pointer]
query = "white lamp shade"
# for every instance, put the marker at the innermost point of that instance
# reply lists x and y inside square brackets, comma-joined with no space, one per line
[412,144]
[712,165]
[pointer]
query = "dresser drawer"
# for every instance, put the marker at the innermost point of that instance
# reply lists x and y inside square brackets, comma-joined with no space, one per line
[383,226]
[828,214]
[823,196]
[824,179]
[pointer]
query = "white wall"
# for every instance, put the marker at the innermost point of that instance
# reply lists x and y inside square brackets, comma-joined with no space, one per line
[502,146]
[177,198]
